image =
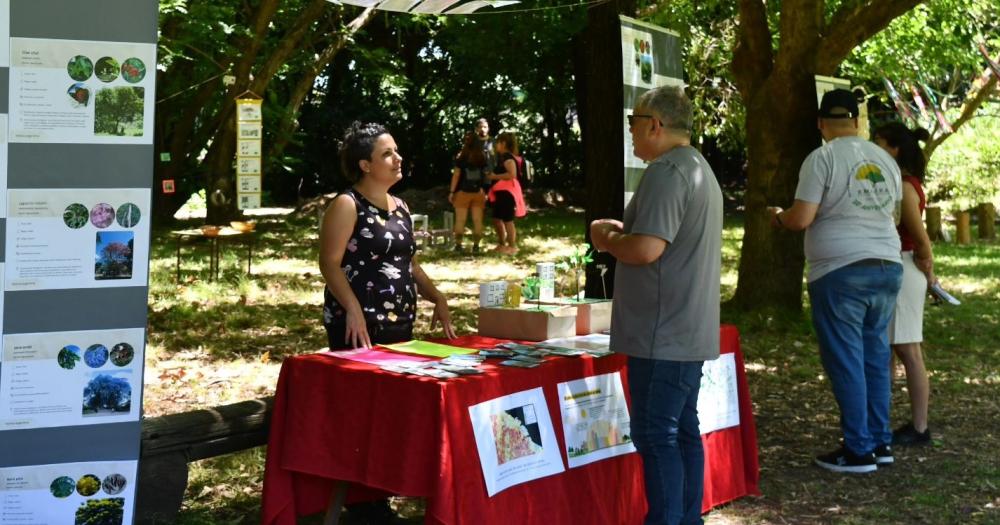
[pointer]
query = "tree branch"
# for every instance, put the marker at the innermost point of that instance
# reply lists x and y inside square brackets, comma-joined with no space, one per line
[752,57]
[852,25]
[984,87]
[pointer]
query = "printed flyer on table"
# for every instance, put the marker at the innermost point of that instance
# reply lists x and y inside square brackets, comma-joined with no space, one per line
[718,398]
[83,238]
[82,92]
[68,493]
[515,439]
[71,378]
[595,419]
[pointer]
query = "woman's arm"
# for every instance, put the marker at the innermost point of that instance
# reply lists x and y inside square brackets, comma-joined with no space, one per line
[453,187]
[428,291]
[914,223]
[511,166]
[338,223]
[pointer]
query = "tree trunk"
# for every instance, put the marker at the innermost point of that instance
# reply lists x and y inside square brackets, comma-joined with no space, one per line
[963,232]
[934,223]
[987,218]
[599,93]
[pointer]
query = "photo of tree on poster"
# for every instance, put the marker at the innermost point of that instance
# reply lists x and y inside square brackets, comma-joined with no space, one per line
[113,256]
[118,111]
[107,511]
[107,395]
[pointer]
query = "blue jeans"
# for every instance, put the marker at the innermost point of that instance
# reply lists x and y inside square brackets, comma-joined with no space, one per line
[851,310]
[665,431]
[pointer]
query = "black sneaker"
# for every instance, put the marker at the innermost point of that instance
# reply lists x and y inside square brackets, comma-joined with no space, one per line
[906,436]
[843,460]
[883,456]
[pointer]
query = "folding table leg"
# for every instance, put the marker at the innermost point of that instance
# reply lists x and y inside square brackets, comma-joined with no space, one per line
[336,503]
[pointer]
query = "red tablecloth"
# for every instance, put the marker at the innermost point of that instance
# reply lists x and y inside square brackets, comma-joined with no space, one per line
[336,419]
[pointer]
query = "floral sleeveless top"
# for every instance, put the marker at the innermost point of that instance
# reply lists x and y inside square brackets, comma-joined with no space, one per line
[377,266]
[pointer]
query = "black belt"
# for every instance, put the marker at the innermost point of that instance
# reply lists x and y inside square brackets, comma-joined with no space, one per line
[871,262]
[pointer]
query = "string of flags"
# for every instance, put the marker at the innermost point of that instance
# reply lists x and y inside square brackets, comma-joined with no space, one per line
[924,98]
[446,7]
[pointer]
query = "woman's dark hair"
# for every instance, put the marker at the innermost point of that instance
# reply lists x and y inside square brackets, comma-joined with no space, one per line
[472,151]
[358,144]
[510,140]
[911,157]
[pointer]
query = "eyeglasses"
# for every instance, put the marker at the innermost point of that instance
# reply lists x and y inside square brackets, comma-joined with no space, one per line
[631,119]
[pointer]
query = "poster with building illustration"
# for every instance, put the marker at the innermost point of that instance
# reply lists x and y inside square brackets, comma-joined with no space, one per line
[515,439]
[595,419]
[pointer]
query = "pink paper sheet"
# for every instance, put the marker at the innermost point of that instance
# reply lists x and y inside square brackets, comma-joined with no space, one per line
[376,357]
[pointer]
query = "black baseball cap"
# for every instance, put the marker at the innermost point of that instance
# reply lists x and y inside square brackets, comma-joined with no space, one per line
[839,103]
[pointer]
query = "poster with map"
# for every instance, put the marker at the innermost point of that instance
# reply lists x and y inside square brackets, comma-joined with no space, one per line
[515,439]
[595,419]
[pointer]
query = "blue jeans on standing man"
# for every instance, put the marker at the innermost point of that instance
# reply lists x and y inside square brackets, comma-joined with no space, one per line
[851,310]
[664,429]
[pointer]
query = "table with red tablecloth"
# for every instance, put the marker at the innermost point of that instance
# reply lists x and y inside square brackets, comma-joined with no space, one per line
[340,420]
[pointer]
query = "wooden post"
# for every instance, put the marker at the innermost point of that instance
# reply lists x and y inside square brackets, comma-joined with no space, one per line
[987,217]
[934,223]
[963,234]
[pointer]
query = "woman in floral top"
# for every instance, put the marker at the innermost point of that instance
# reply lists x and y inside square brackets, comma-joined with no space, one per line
[367,251]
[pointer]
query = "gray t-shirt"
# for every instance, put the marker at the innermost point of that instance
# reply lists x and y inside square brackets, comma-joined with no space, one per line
[669,309]
[858,188]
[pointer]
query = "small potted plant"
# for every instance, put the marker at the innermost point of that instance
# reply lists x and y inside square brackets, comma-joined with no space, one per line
[593,315]
[576,263]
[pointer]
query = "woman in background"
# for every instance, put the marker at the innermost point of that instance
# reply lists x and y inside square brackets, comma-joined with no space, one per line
[367,250]
[506,196]
[906,328]
[466,190]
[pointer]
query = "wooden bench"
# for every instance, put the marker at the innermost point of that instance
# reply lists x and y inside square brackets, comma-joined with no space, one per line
[170,442]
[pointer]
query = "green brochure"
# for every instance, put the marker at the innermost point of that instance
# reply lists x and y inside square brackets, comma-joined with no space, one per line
[429,349]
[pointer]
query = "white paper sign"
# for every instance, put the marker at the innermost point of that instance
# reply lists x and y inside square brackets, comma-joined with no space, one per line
[80,238]
[248,148]
[515,439]
[248,201]
[595,419]
[248,166]
[250,130]
[249,183]
[4,33]
[70,378]
[546,280]
[97,492]
[74,91]
[718,399]
[492,293]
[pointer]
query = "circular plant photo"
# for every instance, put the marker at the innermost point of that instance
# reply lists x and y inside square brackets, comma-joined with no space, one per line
[62,487]
[79,95]
[68,356]
[107,69]
[80,68]
[76,216]
[114,484]
[96,356]
[122,354]
[133,70]
[128,215]
[102,215]
[88,485]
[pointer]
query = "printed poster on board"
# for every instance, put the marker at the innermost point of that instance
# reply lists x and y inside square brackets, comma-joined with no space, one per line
[58,379]
[82,238]
[718,399]
[81,92]
[595,419]
[515,439]
[81,493]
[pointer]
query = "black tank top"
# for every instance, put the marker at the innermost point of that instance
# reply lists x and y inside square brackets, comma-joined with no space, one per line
[377,266]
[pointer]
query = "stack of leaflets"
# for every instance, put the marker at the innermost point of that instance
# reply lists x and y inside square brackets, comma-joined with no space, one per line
[596,345]
[447,368]
[940,295]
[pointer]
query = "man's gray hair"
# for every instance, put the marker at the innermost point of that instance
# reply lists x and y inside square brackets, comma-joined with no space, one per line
[671,105]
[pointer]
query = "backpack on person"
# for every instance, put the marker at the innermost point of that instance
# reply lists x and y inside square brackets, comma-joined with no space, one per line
[473,179]
[525,172]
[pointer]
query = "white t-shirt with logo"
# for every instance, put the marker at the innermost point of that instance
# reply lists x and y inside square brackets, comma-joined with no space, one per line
[858,188]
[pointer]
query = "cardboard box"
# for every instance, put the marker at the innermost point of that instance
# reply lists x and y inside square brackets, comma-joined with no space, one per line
[592,315]
[528,323]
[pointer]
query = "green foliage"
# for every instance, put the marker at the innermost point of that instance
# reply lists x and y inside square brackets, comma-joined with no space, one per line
[965,170]
[576,263]
[107,511]
[530,288]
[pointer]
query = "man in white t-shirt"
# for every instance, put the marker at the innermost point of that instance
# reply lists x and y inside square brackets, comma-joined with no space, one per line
[847,200]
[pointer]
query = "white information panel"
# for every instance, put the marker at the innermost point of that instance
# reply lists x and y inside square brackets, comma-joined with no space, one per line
[71,378]
[82,493]
[72,91]
[82,238]
[515,439]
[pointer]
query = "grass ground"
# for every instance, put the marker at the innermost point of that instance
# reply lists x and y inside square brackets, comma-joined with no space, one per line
[222,342]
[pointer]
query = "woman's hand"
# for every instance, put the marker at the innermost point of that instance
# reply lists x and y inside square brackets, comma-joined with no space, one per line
[442,315]
[357,331]
[451,197]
